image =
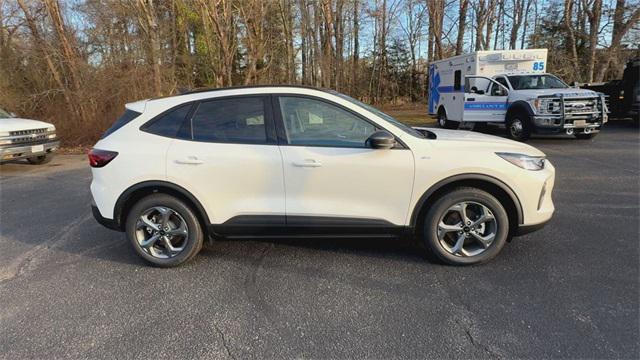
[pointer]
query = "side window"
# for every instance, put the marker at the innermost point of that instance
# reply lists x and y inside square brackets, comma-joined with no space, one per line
[123,120]
[317,123]
[457,80]
[234,120]
[497,90]
[169,123]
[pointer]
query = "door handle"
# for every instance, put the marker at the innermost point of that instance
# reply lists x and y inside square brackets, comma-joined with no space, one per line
[190,160]
[471,99]
[307,163]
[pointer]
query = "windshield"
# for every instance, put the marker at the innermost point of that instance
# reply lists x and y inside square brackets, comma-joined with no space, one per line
[379,113]
[526,82]
[4,114]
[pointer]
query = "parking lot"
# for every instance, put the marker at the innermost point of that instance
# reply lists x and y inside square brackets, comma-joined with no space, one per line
[71,288]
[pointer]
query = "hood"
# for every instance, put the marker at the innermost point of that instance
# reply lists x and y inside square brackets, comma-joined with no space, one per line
[569,92]
[15,124]
[471,139]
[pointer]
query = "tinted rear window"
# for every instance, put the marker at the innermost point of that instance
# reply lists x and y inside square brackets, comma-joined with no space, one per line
[236,120]
[169,123]
[123,120]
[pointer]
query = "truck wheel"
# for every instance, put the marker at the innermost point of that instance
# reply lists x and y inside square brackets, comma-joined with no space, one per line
[583,136]
[518,127]
[38,160]
[444,122]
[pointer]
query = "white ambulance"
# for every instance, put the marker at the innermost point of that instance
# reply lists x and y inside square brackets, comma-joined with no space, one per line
[511,87]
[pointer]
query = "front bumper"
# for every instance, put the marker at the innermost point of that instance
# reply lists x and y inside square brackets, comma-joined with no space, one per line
[569,119]
[527,229]
[15,152]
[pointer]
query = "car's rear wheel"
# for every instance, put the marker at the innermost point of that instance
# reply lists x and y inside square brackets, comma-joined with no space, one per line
[164,230]
[445,123]
[466,226]
[38,160]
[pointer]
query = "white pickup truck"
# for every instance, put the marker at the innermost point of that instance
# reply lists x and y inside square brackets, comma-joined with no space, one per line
[26,139]
[511,87]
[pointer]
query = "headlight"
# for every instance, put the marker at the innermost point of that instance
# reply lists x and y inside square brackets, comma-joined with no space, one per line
[524,161]
[546,105]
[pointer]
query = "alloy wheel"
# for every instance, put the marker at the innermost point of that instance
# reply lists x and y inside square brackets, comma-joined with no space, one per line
[467,229]
[161,232]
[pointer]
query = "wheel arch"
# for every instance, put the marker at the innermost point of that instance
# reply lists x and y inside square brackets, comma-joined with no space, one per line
[441,107]
[518,107]
[136,192]
[493,186]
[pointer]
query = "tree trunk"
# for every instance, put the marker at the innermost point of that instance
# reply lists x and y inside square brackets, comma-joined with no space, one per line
[593,14]
[568,26]
[356,48]
[462,18]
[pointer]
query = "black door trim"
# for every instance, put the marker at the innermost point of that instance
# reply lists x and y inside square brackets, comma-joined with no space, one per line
[280,225]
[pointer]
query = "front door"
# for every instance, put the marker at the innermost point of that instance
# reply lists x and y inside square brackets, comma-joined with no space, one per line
[485,100]
[331,176]
[229,159]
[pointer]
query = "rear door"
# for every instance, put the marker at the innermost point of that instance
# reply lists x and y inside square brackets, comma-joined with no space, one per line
[226,155]
[332,177]
[485,100]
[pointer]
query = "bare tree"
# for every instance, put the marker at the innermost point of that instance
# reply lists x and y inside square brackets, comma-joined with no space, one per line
[594,11]
[571,43]
[415,16]
[462,22]
[621,27]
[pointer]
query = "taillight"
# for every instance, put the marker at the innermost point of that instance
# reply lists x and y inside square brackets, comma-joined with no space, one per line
[99,158]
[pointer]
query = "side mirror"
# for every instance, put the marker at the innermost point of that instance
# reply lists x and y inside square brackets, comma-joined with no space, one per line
[381,140]
[480,92]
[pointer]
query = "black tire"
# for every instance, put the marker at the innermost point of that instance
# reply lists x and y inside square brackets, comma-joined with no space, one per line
[192,242]
[39,160]
[521,132]
[441,208]
[583,136]
[445,123]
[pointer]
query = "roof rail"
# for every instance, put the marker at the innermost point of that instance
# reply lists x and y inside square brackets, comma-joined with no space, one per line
[200,90]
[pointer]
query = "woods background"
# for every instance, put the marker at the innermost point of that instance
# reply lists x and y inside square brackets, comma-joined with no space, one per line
[76,62]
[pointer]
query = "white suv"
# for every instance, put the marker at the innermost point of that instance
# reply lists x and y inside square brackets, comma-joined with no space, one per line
[282,161]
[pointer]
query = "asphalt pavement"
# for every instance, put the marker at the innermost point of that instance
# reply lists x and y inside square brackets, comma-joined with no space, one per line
[70,288]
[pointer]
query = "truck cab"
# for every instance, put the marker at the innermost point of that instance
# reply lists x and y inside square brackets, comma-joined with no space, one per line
[510,87]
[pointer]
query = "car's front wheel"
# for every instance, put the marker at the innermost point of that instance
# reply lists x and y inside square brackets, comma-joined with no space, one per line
[466,226]
[164,230]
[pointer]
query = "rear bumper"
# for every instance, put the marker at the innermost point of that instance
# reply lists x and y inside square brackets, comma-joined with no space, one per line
[8,153]
[108,223]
